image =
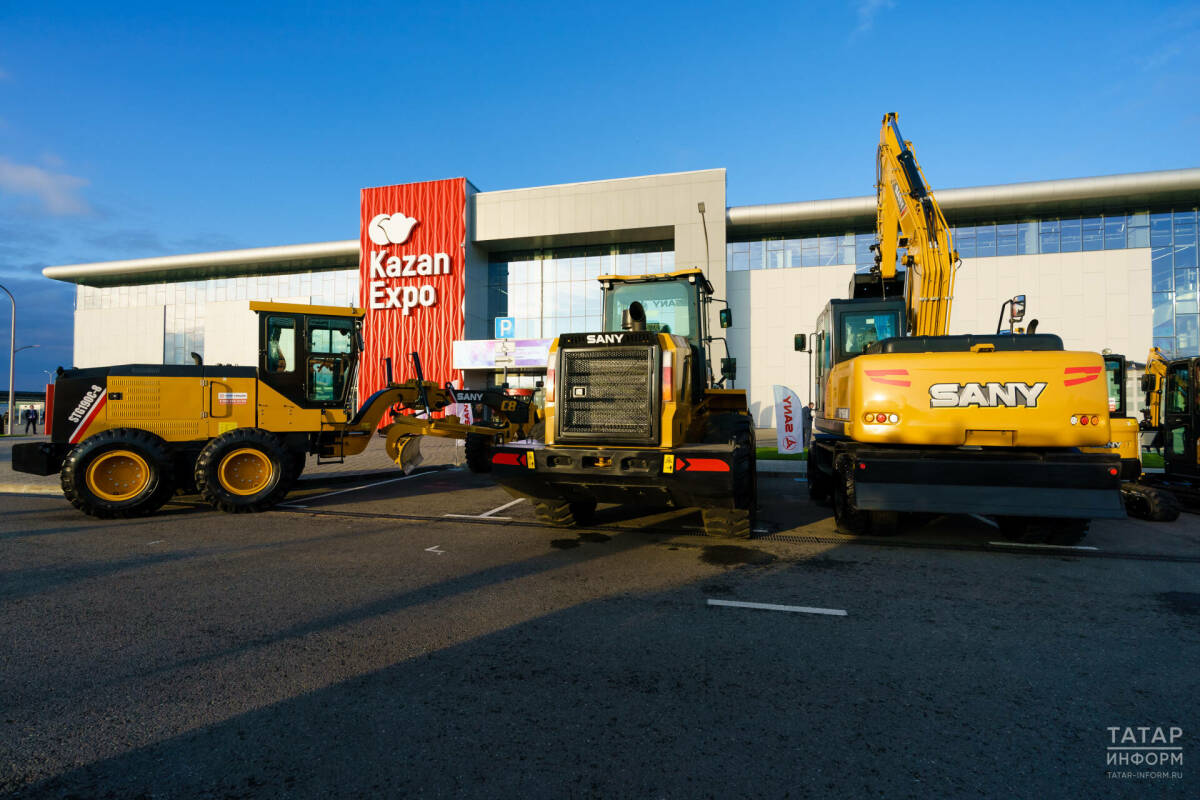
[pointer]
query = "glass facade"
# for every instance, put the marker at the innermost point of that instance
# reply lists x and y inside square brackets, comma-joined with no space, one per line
[1171,235]
[548,292]
[184,302]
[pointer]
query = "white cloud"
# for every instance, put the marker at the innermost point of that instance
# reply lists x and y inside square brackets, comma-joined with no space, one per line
[867,10]
[57,193]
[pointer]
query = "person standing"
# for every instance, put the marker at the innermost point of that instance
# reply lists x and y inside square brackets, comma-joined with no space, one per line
[31,418]
[806,415]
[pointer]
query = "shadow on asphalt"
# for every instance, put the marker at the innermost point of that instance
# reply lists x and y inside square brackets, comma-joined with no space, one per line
[649,693]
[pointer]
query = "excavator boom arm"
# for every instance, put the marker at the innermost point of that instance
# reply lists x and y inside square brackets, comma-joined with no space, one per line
[908,216]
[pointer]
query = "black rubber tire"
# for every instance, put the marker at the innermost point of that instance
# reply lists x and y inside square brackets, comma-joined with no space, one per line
[560,515]
[160,484]
[296,463]
[209,461]
[736,522]
[478,450]
[820,485]
[846,514]
[727,523]
[1044,530]
[1150,503]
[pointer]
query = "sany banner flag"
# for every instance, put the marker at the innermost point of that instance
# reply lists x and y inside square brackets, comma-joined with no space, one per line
[787,421]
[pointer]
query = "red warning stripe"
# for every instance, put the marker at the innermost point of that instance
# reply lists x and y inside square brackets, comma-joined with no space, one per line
[92,413]
[874,374]
[1088,374]
[512,459]
[700,465]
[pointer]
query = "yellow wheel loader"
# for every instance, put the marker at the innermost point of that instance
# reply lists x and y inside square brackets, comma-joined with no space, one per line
[125,438]
[633,415]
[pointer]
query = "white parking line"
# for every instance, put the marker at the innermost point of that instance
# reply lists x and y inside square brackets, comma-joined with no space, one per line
[1044,546]
[357,488]
[833,612]
[488,514]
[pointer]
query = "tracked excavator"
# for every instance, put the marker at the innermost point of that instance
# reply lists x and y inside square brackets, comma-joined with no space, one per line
[910,419]
[125,438]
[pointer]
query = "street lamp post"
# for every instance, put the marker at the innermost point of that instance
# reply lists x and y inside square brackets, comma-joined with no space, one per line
[12,357]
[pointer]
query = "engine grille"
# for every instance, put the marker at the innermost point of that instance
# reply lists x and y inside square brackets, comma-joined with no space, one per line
[609,394]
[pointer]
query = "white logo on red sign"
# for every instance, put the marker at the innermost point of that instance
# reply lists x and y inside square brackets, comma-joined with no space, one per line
[385,229]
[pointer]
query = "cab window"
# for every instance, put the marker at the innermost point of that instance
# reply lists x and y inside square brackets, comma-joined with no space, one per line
[669,306]
[861,329]
[281,344]
[1177,388]
[1115,370]
[330,342]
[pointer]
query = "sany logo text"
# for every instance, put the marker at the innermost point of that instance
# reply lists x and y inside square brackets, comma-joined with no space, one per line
[605,338]
[989,395]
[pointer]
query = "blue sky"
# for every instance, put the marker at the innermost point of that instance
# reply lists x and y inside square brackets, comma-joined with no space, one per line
[139,129]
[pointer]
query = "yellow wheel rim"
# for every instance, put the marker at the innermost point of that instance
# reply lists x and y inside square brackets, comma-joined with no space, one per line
[245,471]
[118,475]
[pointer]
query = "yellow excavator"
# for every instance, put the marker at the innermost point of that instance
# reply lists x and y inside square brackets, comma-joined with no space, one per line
[1172,411]
[125,438]
[1143,497]
[910,419]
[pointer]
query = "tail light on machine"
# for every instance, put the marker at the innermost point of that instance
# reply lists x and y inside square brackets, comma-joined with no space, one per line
[668,376]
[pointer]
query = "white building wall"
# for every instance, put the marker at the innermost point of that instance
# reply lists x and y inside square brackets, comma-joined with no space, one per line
[1093,300]
[119,336]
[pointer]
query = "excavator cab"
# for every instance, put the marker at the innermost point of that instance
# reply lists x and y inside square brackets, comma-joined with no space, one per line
[309,354]
[849,328]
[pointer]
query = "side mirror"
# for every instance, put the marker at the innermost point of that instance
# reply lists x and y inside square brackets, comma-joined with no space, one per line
[728,369]
[1017,311]
[726,317]
[800,343]
[1147,383]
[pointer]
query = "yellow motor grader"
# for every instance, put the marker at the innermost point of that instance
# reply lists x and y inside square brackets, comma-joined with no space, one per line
[126,438]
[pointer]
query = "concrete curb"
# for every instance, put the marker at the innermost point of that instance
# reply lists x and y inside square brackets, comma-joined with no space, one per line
[31,488]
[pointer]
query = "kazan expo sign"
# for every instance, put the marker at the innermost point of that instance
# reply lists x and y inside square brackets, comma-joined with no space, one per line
[412,277]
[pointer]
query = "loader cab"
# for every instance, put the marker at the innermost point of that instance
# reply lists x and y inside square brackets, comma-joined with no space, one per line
[674,303]
[309,354]
[848,328]
[1180,416]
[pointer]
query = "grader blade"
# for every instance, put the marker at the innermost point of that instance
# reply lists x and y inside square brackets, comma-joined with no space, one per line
[405,450]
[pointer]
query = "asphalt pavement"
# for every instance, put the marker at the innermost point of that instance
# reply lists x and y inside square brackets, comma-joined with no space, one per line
[422,636]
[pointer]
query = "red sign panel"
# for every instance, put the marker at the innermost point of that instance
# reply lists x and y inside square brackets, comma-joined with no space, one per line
[412,274]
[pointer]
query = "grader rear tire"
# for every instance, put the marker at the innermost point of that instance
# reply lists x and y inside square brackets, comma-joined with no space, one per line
[244,470]
[123,472]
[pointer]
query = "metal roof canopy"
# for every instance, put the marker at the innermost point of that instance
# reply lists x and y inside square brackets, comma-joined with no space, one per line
[1076,195]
